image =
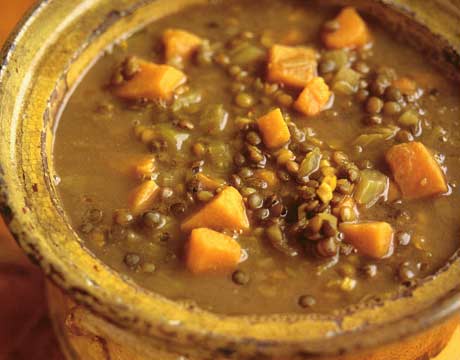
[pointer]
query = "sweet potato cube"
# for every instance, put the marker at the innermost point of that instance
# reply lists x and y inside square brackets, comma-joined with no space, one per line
[406,85]
[352,31]
[416,171]
[180,43]
[268,176]
[373,239]
[274,130]
[144,167]
[313,98]
[209,251]
[291,66]
[143,197]
[210,183]
[225,211]
[152,82]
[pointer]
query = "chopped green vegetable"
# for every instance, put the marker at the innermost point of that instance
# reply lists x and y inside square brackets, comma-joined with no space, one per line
[346,81]
[173,137]
[371,186]
[376,134]
[310,163]
[339,57]
[246,54]
[186,100]
[220,155]
[214,118]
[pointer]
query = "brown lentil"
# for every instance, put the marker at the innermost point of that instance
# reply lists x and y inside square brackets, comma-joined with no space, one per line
[374,105]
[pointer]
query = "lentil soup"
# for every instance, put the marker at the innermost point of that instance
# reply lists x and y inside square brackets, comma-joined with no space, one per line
[264,157]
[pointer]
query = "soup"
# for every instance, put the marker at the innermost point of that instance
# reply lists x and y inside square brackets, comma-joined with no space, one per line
[267,157]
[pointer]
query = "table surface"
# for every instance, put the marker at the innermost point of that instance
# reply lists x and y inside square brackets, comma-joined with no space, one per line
[23,312]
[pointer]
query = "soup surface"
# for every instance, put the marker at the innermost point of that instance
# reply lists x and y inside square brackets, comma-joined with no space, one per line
[282,158]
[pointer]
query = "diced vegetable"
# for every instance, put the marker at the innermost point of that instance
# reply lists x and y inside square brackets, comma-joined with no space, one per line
[338,57]
[208,182]
[371,187]
[247,54]
[324,192]
[275,132]
[224,211]
[143,197]
[310,163]
[209,251]
[220,155]
[144,167]
[331,180]
[376,134]
[406,85]
[269,176]
[186,100]
[214,118]
[352,31]
[416,171]
[172,135]
[373,239]
[180,43]
[313,98]
[292,66]
[152,82]
[346,81]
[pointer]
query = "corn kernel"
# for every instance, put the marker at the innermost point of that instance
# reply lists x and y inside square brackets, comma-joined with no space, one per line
[324,192]
[328,170]
[331,180]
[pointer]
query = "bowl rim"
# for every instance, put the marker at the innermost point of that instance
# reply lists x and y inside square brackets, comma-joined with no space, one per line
[439,311]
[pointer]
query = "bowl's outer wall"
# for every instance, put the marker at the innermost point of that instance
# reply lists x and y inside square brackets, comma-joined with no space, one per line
[46,58]
[85,336]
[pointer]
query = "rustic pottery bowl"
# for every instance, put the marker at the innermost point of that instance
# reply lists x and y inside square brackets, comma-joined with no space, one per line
[116,318]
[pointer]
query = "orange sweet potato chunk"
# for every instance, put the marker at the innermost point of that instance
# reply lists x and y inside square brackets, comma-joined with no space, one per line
[180,43]
[352,31]
[313,98]
[143,197]
[209,251]
[225,211]
[406,85]
[415,170]
[274,130]
[210,183]
[373,239]
[144,167]
[291,66]
[152,82]
[268,176]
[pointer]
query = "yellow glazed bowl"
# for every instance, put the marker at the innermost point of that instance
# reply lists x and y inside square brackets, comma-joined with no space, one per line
[115,318]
